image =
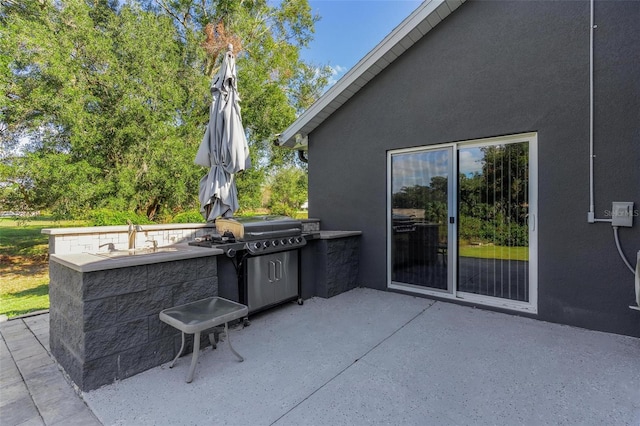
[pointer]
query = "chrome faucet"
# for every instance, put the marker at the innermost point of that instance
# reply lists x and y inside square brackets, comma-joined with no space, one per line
[155,244]
[109,246]
[133,229]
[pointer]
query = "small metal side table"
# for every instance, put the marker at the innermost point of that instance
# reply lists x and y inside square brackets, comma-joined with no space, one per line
[194,317]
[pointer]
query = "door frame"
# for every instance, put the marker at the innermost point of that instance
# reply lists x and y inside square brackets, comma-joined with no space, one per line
[452,256]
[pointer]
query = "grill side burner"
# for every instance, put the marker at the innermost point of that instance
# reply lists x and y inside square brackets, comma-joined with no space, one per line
[263,234]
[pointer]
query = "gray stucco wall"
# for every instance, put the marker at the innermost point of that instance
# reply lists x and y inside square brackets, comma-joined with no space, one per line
[495,68]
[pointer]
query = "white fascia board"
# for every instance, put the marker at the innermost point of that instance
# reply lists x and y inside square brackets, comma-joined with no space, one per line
[425,17]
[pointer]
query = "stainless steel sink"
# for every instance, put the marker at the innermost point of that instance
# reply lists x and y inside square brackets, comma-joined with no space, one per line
[137,252]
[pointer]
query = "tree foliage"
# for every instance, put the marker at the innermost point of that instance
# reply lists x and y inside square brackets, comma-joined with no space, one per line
[113,97]
[288,190]
[493,203]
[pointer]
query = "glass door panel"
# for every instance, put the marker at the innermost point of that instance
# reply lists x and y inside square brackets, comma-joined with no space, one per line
[420,200]
[493,212]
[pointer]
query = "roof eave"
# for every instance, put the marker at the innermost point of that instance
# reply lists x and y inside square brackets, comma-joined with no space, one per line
[413,28]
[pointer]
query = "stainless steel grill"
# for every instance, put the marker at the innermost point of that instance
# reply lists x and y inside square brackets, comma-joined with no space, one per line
[263,234]
[261,266]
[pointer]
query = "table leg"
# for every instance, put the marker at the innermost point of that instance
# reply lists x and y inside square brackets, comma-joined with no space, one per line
[179,352]
[226,332]
[194,358]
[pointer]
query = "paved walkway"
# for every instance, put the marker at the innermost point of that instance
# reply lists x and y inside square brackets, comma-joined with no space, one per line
[33,390]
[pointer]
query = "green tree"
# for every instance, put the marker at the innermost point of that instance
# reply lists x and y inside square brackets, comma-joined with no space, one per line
[432,199]
[274,83]
[288,191]
[494,203]
[505,172]
[106,99]
[113,97]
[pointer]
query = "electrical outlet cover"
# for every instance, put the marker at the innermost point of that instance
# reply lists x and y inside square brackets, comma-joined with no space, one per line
[622,214]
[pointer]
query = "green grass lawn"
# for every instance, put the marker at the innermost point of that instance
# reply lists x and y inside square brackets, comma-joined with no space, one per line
[24,267]
[494,252]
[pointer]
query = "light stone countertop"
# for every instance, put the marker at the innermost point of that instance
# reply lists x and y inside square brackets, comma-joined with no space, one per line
[330,235]
[92,262]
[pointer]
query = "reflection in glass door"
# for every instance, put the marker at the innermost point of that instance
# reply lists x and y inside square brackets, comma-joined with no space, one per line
[420,203]
[462,221]
[493,213]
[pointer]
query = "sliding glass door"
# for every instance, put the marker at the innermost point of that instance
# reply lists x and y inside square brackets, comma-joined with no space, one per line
[462,221]
[493,216]
[420,205]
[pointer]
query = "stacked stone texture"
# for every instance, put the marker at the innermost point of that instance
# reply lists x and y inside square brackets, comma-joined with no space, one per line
[105,325]
[330,266]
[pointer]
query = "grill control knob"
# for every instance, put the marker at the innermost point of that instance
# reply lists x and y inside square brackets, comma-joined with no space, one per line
[257,245]
[298,240]
[275,243]
[291,241]
[266,244]
[283,241]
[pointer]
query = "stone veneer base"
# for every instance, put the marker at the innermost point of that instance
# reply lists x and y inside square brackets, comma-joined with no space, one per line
[330,265]
[104,325]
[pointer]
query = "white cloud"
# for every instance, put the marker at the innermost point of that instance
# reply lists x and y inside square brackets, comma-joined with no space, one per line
[418,168]
[336,73]
[470,160]
[338,70]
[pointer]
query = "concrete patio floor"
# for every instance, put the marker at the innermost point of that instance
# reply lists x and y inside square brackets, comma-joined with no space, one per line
[367,356]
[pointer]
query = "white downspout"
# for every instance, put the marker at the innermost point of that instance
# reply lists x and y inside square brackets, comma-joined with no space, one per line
[591,216]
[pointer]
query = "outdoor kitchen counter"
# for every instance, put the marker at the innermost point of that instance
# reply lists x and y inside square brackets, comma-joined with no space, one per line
[92,262]
[330,263]
[104,311]
[330,235]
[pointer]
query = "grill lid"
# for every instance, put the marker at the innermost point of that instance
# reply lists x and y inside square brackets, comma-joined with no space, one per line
[259,227]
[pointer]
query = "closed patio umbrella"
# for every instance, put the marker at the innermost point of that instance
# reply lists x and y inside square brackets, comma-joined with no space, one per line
[224,149]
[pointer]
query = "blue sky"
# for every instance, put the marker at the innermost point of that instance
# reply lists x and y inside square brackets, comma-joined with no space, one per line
[349,29]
